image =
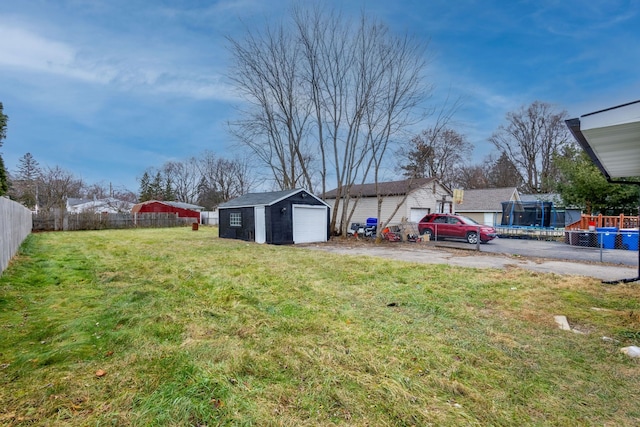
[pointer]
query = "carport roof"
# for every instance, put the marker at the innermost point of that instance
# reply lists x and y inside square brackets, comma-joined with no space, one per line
[611,137]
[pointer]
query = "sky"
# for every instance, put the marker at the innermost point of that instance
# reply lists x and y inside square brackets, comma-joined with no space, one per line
[108,88]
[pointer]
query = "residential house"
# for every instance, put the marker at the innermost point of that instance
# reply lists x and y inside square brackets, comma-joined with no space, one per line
[485,205]
[410,199]
[108,205]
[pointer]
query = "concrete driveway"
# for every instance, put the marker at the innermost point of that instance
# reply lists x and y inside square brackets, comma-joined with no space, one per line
[540,256]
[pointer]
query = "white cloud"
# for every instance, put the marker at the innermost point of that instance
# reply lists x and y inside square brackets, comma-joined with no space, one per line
[25,50]
[129,68]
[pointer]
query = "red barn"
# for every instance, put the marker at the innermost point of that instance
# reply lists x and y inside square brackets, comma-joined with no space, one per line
[184,210]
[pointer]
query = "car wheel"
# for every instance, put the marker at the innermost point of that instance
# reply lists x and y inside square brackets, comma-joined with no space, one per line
[428,232]
[472,237]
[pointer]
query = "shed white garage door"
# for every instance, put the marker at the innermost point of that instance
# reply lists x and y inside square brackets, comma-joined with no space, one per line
[309,224]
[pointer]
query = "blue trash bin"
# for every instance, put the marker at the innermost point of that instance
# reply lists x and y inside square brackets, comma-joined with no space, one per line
[607,237]
[629,238]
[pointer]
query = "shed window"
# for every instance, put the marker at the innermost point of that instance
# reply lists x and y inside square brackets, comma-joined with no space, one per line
[235,219]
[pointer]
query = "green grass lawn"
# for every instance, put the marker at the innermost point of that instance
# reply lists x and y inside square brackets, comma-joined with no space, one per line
[177,327]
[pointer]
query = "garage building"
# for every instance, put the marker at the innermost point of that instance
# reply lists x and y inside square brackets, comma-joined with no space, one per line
[278,217]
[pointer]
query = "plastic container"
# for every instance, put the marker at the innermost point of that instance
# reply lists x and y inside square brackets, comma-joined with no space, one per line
[372,222]
[629,238]
[607,237]
[588,239]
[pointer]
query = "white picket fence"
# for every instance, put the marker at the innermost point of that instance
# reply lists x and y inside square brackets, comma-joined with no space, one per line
[15,226]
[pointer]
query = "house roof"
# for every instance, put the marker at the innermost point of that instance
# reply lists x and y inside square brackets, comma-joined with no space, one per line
[183,205]
[263,199]
[180,205]
[487,199]
[390,188]
[73,201]
[611,138]
[109,204]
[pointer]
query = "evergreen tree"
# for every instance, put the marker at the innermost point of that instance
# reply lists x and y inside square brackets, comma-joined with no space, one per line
[25,184]
[168,194]
[583,185]
[504,173]
[145,188]
[3,124]
[156,189]
[4,176]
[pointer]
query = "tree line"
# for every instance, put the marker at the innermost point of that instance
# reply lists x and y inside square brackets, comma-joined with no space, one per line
[205,180]
[46,188]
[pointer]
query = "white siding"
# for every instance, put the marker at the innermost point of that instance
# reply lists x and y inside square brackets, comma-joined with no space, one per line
[427,197]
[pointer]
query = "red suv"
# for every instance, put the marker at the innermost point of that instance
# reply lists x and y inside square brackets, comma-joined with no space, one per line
[451,226]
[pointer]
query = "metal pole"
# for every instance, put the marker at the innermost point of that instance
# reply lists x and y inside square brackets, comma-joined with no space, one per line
[638,226]
[601,243]
[637,278]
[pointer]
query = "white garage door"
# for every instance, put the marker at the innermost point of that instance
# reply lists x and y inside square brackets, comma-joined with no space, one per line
[309,224]
[488,219]
[418,213]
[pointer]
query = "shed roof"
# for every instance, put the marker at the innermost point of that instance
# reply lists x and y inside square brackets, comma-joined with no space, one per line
[263,199]
[611,137]
[390,188]
[487,199]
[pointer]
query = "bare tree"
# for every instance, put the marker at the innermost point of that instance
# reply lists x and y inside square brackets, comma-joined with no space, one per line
[184,177]
[97,191]
[267,72]
[471,177]
[125,195]
[222,179]
[337,91]
[437,153]
[530,139]
[55,186]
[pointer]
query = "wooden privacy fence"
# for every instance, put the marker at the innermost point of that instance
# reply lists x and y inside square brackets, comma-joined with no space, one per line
[56,221]
[15,226]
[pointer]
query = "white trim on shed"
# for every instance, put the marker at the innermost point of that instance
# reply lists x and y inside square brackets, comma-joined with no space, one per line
[261,226]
